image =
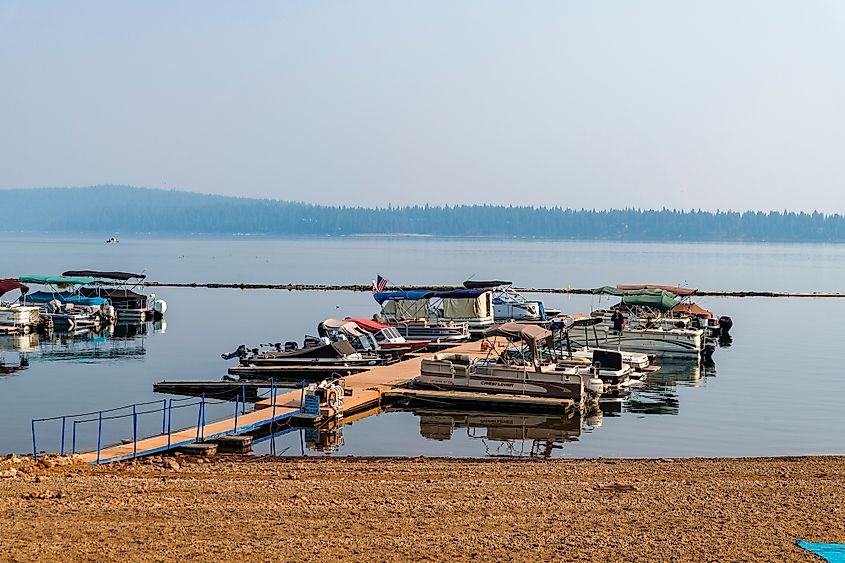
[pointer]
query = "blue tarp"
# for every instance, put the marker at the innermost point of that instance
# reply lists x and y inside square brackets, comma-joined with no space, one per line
[415,295]
[40,297]
[833,552]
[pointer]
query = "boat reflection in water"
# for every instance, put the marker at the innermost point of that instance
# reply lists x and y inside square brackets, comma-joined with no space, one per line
[14,352]
[120,341]
[659,393]
[535,435]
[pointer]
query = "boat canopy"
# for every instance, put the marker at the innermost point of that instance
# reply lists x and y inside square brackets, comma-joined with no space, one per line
[11,285]
[459,293]
[472,284]
[120,276]
[416,295]
[413,295]
[691,309]
[532,335]
[58,280]
[656,298]
[527,332]
[679,291]
[41,297]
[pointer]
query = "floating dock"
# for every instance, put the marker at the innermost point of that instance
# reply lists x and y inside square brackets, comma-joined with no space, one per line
[364,395]
[295,373]
[500,401]
[366,388]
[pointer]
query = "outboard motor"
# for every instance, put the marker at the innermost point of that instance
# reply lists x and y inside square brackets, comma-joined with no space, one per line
[725,324]
[54,306]
[241,352]
[159,307]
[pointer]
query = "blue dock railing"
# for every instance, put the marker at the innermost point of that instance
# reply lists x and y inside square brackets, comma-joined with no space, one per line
[135,411]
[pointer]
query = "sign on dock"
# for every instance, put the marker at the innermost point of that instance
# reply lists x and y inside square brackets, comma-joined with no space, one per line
[311,405]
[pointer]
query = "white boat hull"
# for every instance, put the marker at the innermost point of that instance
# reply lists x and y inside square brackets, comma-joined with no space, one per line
[674,343]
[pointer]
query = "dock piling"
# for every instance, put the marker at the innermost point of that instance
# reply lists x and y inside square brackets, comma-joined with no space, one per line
[169,421]
[34,446]
[235,428]
[99,436]
[64,419]
[134,431]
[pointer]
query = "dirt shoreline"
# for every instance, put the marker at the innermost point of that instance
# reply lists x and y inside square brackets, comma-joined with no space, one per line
[389,509]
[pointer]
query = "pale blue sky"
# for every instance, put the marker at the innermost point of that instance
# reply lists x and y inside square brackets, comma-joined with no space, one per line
[584,104]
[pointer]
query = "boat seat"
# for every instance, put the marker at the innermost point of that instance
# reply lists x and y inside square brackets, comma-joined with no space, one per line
[457,358]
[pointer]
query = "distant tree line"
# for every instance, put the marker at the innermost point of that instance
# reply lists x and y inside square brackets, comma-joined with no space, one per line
[111,209]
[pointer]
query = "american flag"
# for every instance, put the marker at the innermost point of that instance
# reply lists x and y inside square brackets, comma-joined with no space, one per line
[379,284]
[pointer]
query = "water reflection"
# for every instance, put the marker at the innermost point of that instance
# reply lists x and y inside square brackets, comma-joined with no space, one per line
[115,342]
[502,434]
[659,393]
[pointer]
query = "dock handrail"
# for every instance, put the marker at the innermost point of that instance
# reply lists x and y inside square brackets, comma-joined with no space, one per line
[166,409]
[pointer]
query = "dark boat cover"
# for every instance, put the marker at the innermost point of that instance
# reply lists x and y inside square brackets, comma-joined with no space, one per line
[120,298]
[120,276]
[333,350]
[11,285]
[472,284]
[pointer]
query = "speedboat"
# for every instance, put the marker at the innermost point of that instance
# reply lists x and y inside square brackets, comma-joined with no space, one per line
[314,352]
[516,370]
[370,335]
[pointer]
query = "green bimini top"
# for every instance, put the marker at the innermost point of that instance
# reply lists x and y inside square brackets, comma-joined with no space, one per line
[655,298]
[56,280]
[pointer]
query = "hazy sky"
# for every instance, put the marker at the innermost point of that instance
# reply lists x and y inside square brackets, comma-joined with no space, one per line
[735,104]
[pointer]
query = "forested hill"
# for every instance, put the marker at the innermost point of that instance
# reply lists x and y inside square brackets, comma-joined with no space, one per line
[120,209]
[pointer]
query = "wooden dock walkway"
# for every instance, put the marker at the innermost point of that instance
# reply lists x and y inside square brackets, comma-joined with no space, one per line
[367,389]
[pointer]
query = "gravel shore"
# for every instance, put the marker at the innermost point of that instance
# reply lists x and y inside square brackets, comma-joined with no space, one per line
[389,509]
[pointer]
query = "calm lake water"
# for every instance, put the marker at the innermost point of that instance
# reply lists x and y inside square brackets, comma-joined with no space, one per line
[778,390]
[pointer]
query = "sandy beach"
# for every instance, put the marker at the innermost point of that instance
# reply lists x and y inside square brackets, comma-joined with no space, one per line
[387,509]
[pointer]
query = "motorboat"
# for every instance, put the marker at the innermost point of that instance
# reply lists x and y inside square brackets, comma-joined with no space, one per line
[419,315]
[691,314]
[638,324]
[367,335]
[314,352]
[471,306]
[511,306]
[527,368]
[131,306]
[567,351]
[16,317]
[64,307]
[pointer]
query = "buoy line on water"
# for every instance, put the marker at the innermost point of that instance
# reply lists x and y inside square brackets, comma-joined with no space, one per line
[553,290]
